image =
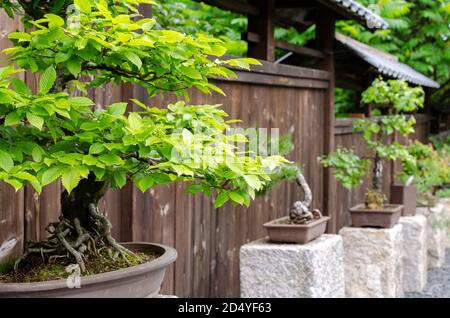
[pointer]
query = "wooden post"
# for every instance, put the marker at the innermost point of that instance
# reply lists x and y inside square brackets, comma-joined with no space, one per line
[427,111]
[264,26]
[325,28]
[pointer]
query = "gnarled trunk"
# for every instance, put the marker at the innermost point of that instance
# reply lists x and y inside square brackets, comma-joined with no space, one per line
[377,173]
[82,232]
[300,212]
[76,204]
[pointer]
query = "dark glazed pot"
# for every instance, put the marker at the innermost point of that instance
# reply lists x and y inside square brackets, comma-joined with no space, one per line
[135,282]
[295,233]
[384,217]
[405,195]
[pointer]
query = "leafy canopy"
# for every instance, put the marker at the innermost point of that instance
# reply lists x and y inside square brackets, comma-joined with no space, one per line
[418,35]
[51,135]
[349,168]
[113,45]
[429,169]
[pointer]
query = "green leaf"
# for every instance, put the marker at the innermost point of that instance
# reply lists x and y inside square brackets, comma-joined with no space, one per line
[253,181]
[120,178]
[160,178]
[6,161]
[110,159]
[169,36]
[237,196]
[47,80]
[96,148]
[20,86]
[99,172]
[50,175]
[62,57]
[133,58]
[54,20]
[72,176]
[81,101]
[37,154]
[35,120]
[74,66]
[6,98]
[117,109]
[83,5]
[190,72]
[21,36]
[16,184]
[89,160]
[218,50]
[194,188]
[135,121]
[221,199]
[144,183]
[12,119]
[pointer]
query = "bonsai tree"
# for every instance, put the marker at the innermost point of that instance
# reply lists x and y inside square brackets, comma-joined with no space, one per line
[349,168]
[52,135]
[430,170]
[300,212]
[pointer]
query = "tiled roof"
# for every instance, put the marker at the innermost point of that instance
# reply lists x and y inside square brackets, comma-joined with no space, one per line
[385,63]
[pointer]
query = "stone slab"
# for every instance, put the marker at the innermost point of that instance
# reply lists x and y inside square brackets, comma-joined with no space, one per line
[311,270]
[415,267]
[436,234]
[373,262]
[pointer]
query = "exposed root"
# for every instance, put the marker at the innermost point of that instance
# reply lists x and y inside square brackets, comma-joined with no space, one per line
[73,251]
[72,240]
[300,213]
[107,233]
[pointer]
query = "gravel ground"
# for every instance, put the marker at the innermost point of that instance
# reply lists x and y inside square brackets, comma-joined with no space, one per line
[438,285]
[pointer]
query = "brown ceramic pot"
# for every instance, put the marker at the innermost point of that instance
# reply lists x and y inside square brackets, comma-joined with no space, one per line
[295,233]
[384,217]
[406,196]
[135,282]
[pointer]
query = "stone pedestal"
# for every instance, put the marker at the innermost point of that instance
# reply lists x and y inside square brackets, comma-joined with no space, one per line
[414,253]
[446,216]
[314,269]
[373,262]
[436,234]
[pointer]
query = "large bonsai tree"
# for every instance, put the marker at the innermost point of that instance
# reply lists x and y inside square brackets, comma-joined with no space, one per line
[349,168]
[52,134]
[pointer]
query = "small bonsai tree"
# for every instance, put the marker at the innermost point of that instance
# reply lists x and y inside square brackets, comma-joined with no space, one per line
[429,168]
[349,168]
[300,212]
[52,135]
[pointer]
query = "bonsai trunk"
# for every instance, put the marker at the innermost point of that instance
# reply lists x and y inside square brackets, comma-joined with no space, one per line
[76,204]
[374,197]
[82,232]
[300,212]
[377,173]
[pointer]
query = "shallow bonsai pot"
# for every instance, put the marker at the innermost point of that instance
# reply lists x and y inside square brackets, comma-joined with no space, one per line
[384,217]
[135,282]
[406,196]
[295,233]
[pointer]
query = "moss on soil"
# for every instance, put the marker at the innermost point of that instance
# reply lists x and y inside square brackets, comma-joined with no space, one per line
[34,270]
[285,221]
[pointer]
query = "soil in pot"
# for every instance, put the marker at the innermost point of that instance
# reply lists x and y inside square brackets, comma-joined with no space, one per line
[385,216]
[282,230]
[406,196]
[35,270]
